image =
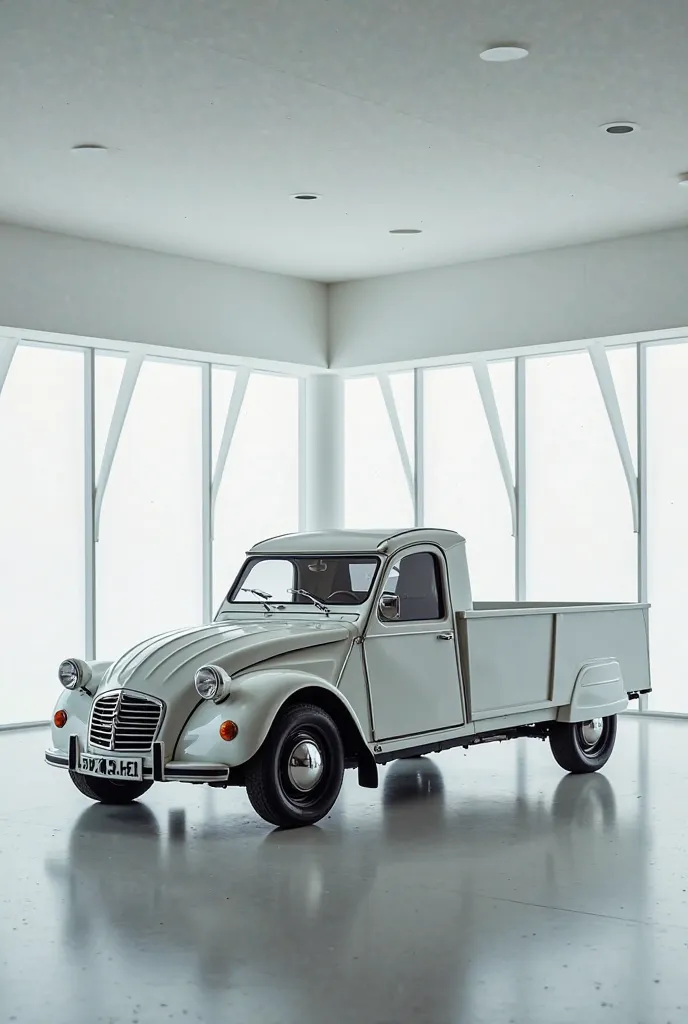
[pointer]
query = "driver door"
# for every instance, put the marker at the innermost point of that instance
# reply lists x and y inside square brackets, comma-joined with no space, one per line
[412,661]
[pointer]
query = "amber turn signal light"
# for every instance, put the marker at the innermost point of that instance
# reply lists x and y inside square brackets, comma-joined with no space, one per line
[60,719]
[229,730]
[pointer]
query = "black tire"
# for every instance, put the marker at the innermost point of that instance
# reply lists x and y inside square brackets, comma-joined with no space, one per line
[582,746]
[270,775]
[109,791]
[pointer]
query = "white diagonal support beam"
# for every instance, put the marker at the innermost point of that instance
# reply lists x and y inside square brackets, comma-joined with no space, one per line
[233,412]
[484,382]
[8,347]
[605,379]
[119,415]
[393,413]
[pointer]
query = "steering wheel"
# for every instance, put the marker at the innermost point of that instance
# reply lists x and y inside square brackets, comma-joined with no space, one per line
[344,593]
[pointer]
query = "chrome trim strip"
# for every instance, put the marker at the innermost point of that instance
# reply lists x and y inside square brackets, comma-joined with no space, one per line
[346,662]
[196,773]
[369,693]
[406,632]
[56,760]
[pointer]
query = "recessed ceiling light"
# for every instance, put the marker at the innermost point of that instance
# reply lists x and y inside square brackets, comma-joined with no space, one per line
[89,147]
[406,231]
[502,54]
[619,127]
[306,197]
[683,179]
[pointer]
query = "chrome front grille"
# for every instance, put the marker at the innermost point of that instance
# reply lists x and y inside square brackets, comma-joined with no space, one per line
[124,721]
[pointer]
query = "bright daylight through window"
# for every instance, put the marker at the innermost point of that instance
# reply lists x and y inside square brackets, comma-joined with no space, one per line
[155,421]
[148,452]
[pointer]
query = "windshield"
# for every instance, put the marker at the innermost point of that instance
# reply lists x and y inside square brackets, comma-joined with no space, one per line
[340,579]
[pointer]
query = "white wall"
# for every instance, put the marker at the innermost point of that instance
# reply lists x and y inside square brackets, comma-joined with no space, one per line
[66,286]
[589,291]
[69,287]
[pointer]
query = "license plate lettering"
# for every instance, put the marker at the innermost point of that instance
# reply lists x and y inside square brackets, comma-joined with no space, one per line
[111,767]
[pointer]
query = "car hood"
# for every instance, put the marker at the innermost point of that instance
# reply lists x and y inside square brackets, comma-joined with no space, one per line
[168,662]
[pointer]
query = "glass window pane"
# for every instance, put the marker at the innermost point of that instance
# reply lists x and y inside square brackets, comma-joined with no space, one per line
[580,541]
[340,580]
[271,576]
[259,494]
[464,487]
[41,526]
[403,389]
[149,553]
[624,367]
[667,517]
[503,380]
[417,582]
[376,492]
[109,370]
[223,386]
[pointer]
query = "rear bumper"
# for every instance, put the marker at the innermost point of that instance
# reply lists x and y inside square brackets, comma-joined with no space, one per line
[158,771]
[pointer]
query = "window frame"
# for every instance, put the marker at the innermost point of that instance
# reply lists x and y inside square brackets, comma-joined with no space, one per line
[441,580]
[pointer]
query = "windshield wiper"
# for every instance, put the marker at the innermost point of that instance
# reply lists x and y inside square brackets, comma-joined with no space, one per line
[318,604]
[261,594]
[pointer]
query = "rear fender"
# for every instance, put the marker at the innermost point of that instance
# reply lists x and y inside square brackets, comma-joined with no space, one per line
[255,700]
[598,691]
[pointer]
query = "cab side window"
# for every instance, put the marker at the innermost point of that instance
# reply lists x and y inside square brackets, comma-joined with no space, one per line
[417,581]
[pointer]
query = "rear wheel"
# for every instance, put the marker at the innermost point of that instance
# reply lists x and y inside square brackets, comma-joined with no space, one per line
[296,776]
[109,791]
[583,746]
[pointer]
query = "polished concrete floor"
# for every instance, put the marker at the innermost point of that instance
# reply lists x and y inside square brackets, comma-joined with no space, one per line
[472,887]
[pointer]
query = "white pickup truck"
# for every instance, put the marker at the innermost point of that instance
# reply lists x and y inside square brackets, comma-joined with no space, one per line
[346,649]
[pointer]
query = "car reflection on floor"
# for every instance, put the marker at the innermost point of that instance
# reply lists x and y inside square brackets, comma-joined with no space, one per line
[361,905]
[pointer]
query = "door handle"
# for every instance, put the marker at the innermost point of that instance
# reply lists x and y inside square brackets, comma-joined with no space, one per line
[445,636]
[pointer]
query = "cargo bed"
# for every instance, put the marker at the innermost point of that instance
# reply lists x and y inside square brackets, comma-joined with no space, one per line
[527,654]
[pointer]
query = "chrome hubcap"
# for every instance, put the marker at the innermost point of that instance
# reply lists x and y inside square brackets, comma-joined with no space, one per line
[305,766]
[591,732]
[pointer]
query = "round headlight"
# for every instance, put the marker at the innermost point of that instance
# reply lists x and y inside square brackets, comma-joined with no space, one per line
[212,683]
[70,674]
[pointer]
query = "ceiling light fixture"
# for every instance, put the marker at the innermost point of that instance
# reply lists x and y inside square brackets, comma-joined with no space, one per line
[683,179]
[89,147]
[504,53]
[619,127]
[306,197]
[406,231]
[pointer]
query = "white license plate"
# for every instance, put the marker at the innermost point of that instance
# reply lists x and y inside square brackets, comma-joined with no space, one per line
[111,767]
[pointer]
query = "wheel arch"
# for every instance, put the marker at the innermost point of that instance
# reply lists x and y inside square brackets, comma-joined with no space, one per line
[355,747]
[598,692]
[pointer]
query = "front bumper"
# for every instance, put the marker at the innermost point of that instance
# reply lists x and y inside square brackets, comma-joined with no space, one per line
[158,771]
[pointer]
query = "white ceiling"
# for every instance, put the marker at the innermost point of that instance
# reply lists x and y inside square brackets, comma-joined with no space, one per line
[217,110]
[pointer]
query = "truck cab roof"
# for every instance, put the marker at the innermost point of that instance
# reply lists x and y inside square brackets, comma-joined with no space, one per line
[364,542]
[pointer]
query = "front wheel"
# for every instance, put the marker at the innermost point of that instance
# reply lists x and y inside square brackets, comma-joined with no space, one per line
[296,776]
[583,746]
[109,791]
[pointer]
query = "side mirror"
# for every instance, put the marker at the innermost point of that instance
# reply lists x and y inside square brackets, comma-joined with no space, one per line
[389,607]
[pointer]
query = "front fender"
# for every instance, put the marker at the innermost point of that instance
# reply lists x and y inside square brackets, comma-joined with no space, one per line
[77,704]
[253,704]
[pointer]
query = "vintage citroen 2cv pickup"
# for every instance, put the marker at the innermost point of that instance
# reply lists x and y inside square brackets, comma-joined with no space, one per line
[346,649]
